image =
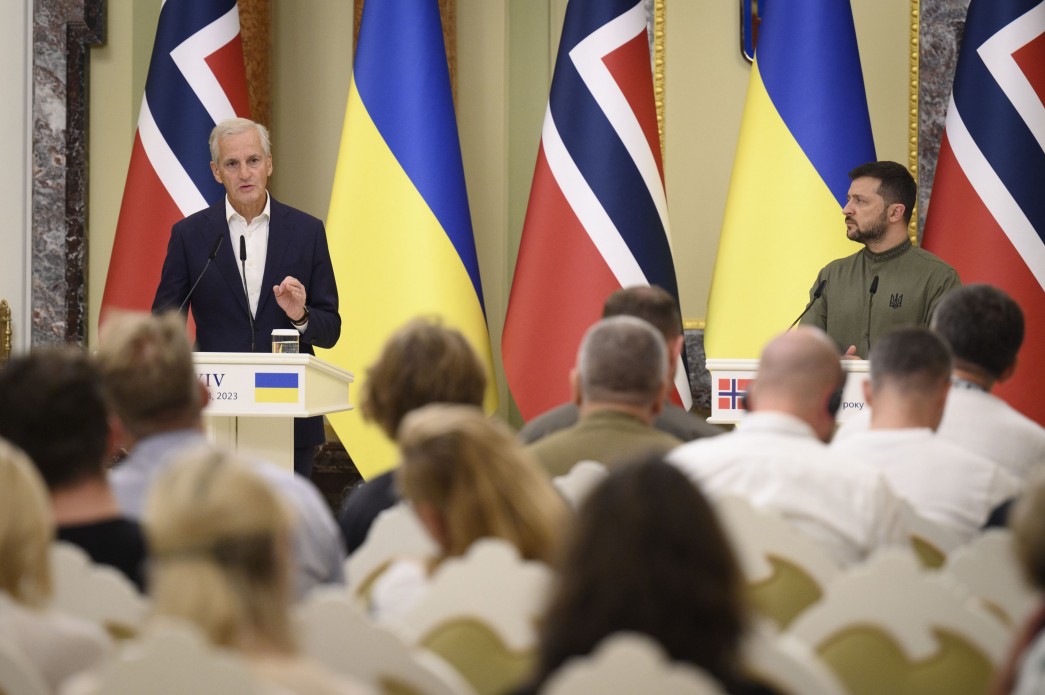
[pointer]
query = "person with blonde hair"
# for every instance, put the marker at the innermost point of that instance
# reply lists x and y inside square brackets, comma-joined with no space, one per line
[219,539]
[57,645]
[467,478]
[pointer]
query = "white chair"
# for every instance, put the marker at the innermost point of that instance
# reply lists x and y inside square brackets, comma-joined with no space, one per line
[787,664]
[172,658]
[338,635]
[17,675]
[480,614]
[625,664]
[988,567]
[889,627]
[93,592]
[785,571]
[580,481]
[395,532]
[930,541]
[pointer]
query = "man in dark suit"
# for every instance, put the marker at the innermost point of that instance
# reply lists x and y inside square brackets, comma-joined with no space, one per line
[284,277]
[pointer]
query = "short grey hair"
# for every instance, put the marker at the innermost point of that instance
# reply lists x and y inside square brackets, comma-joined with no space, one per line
[622,359]
[235,126]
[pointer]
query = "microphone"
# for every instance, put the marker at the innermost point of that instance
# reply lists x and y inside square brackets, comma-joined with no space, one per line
[816,295]
[870,303]
[243,264]
[213,252]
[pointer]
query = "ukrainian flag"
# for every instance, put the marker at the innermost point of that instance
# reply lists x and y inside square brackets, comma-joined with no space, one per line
[275,387]
[805,126]
[399,228]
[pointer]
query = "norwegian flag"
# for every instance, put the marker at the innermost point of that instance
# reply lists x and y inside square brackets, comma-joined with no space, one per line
[598,217]
[731,393]
[196,79]
[987,209]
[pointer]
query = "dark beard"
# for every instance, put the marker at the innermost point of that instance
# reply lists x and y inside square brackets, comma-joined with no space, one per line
[873,233]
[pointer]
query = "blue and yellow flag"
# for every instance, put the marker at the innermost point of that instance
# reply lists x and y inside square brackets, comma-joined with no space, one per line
[399,229]
[805,126]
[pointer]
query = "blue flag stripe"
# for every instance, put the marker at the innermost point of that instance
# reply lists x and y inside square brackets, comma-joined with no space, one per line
[275,380]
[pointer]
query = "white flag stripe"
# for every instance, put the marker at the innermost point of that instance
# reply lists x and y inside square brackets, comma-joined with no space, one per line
[997,54]
[191,58]
[166,164]
[588,57]
[995,196]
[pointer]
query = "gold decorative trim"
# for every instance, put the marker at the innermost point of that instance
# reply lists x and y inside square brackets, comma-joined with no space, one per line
[693,324]
[659,68]
[5,331]
[255,19]
[912,112]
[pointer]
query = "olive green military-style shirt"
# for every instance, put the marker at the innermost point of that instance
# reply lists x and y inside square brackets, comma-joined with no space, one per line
[910,283]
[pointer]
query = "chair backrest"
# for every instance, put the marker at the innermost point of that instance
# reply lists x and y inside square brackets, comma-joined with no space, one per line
[395,532]
[930,541]
[335,633]
[93,592]
[17,675]
[480,614]
[988,567]
[580,481]
[889,627]
[786,664]
[171,658]
[786,572]
[628,663]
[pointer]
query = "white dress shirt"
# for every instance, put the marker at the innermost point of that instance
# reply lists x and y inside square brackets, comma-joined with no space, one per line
[775,461]
[943,482]
[256,236]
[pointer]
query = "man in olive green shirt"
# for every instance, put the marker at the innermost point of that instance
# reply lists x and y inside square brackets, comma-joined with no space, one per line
[619,385]
[889,282]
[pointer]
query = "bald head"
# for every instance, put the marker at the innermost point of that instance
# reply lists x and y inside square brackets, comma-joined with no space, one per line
[798,372]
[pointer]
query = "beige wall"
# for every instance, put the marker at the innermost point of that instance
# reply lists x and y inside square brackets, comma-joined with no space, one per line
[505,54]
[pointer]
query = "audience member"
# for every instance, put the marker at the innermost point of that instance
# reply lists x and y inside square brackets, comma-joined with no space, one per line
[777,457]
[619,385]
[647,554]
[219,538]
[910,377]
[57,645]
[1024,671]
[52,406]
[423,362]
[467,478]
[653,304]
[984,328]
[146,366]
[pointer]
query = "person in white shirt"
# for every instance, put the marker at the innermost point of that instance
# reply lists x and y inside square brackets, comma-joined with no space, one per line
[777,457]
[984,328]
[910,378]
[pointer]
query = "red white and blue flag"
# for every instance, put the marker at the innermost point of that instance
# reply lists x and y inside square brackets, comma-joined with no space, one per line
[196,79]
[986,214]
[597,218]
[732,392]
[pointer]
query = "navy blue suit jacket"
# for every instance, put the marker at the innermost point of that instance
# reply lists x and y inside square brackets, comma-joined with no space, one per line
[297,246]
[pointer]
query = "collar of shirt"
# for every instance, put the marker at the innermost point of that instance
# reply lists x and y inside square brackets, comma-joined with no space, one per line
[776,423]
[256,237]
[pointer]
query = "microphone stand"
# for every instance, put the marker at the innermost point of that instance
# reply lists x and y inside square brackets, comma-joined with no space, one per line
[870,303]
[246,293]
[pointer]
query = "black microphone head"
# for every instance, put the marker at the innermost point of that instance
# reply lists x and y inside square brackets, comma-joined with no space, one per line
[874,282]
[819,289]
[215,246]
[243,252]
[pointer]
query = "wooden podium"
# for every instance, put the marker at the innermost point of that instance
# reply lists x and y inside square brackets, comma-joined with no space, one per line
[254,398]
[730,380]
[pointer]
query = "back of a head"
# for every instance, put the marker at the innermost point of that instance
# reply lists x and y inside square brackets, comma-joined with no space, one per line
[622,360]
[910,360]
[983,326]
[476,475]
[147,369]
[649,303]
[795,370]
[219,544]
[647,554]
[26,529]
[52,406]
[897,185]
[1028,528]
[423,362]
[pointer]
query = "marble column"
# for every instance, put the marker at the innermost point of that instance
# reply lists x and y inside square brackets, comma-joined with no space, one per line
[62,32]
